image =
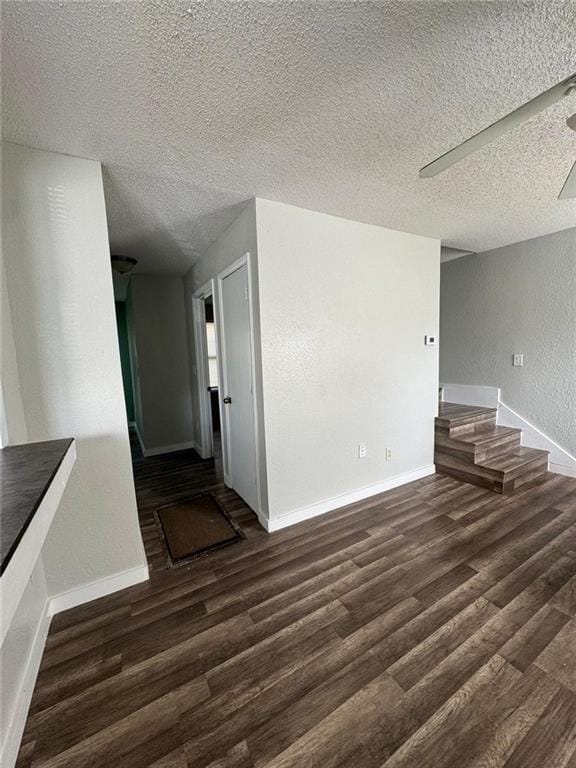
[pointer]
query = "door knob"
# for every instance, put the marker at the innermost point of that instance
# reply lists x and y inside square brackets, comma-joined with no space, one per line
[227,399]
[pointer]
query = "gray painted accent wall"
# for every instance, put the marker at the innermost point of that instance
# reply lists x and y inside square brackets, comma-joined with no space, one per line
[516,299]
[158,320]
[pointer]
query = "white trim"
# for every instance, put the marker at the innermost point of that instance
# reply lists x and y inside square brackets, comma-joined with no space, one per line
[15,578]
[321,507]
[245,260]
[140,441]
[222,367]
[560,461]
[96,589]
[15,728]
[169,448]
[470,394]
[4,436]
[202,372]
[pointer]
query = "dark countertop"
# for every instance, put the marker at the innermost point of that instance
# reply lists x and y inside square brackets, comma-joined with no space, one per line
[26,472]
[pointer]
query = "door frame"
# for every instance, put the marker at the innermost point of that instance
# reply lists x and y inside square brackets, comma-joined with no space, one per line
[248,261]
[202,372]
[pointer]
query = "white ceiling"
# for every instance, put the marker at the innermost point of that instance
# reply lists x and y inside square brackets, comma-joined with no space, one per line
[194,107]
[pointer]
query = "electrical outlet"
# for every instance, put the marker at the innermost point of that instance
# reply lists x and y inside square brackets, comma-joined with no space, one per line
[388,454]
[518,360]
[361,450]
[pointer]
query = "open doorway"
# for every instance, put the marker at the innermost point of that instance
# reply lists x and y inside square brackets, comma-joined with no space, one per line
[212,355]
[207,369]
[225,366]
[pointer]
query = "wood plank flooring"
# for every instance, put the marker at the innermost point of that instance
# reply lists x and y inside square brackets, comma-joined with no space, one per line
[433,625]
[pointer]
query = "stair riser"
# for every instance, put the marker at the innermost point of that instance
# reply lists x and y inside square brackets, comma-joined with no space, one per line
[500,447]
[452,461]
[530,476]
[466,426]
[470,446]
[491,483]
[476,453]
[468,477]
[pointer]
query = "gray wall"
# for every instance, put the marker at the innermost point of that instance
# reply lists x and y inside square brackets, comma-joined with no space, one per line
[516,299]
[157,317]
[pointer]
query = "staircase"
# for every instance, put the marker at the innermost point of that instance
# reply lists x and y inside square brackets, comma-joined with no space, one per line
[469,446]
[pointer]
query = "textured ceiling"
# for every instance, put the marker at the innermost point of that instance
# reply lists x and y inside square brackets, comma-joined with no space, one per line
[194,107]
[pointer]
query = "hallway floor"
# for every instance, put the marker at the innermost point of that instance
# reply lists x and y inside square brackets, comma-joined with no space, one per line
[433,625]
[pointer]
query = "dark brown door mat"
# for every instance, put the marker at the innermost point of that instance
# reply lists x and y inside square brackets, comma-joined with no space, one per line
[195,527]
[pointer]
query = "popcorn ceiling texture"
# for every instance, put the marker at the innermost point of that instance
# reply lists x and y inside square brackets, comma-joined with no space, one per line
[195,107]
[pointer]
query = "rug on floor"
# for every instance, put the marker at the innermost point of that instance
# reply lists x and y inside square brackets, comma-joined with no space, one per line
[195,527]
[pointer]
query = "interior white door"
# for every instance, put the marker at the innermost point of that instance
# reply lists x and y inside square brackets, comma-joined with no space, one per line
[236,389]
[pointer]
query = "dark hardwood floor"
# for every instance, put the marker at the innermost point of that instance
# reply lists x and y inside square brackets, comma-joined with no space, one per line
[431,626]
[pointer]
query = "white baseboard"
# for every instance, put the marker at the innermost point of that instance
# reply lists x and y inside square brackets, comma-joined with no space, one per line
[313,510]
[470,394]
[147,452]
[140,440]
[15,727]
[99,588]
[169,448]
[560,461]
[17,720]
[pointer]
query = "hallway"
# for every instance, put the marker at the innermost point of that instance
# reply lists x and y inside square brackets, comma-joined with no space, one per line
[435,614]
[172,477]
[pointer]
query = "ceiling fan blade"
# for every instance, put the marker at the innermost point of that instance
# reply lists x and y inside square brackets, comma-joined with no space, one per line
[488,134]
[568,191]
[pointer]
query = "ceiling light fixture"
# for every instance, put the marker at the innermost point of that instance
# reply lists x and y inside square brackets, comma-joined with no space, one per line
[490,133]
[123,264]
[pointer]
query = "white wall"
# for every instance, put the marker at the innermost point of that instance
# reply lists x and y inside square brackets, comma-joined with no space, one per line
[20,657]
[344,308]
[12,410]
[158,322]
[239,238]
[55,246]
[517,299]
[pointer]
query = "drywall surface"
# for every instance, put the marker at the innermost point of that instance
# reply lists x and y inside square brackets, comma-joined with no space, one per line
[55,245]
[13,420]
[239,238]
[124,346]
[344,308]
[134,363]
[19,657]
[159,326]
[518,299]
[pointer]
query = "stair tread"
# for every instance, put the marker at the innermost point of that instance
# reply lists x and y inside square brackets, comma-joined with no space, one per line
[484,434]
[513,459]
[453,413]
[458,410]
